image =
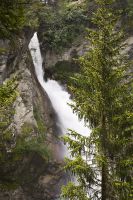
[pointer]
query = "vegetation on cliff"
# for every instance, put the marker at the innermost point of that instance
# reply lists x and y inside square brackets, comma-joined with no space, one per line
[11,17]
[62,25]
[106,100]
[7,132]
[13,147]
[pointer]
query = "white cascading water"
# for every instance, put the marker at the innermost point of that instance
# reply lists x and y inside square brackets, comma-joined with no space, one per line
[59,97]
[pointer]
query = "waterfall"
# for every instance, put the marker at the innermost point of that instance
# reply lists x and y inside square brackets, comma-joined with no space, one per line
[58,96]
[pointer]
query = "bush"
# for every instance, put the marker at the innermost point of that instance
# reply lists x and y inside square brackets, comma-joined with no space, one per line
[29,142]
[62,26]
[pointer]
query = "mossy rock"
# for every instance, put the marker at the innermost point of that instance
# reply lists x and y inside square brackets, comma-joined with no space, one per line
[62,71]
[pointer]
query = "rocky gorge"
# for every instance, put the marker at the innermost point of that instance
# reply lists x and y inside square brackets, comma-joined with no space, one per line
[39,178]
[33,107]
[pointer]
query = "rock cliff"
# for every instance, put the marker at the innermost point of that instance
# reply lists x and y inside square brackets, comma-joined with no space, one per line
[39,178]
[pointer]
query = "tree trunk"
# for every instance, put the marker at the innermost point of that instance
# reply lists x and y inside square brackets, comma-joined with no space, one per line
[104,182]
[104,185]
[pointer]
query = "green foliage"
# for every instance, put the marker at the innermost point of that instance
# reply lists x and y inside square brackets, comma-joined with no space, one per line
[13,148]
[27,143]
[60,29]
[74,192]
[33,139]
[129,13]
[105,82]
[26,129]
[40,123]
[80,149]
[8,93]
[31,13]
[41,127]
[3,51]
[16,14]
[63,70]
[7,97]
[12,17]
[130,6]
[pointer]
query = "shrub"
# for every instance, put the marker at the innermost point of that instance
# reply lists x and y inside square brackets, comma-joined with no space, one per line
[62,26]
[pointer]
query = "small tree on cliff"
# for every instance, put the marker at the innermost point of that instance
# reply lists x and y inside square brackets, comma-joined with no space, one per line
[7,137]
[11,17]
[103,96]
[7,97]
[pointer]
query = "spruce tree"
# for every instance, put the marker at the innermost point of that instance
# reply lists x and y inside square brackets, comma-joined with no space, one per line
[13,17]
[103,96]
[15,147]
[8,95]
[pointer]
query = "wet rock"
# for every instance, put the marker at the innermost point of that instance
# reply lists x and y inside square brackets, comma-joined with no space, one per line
[40,179]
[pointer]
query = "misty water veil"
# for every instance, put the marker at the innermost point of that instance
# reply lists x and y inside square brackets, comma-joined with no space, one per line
[58,95]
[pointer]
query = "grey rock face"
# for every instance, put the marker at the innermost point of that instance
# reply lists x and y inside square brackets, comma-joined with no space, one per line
[4,45]
[40,179]
[51,58]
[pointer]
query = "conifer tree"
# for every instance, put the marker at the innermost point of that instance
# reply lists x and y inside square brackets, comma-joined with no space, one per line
[14,147]
[103,96]
[13,17]
[7,132]
[7,97]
